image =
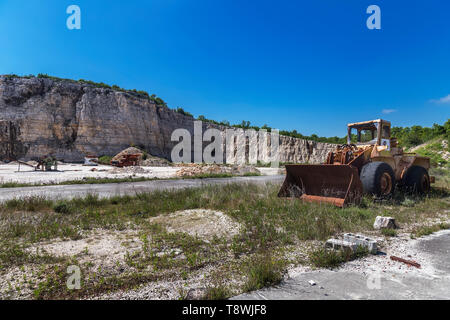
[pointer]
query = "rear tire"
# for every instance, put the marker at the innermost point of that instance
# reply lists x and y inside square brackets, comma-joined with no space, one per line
[378,179]
[417,180]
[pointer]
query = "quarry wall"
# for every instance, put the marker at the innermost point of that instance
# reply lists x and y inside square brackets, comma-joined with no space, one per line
[41,116]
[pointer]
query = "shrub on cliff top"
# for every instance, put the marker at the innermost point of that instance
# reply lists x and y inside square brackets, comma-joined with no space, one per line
[141,93]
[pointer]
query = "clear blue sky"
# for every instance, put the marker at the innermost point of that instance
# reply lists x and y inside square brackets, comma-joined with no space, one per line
[312,66]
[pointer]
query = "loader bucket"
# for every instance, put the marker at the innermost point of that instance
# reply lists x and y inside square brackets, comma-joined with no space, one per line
[335,184]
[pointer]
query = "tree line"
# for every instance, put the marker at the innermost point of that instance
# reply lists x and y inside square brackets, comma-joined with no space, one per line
[407,136]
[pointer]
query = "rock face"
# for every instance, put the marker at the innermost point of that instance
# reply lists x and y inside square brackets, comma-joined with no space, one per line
[67,119]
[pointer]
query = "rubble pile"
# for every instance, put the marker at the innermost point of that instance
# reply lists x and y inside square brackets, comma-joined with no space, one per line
[130,170]
[130,150]
[153,161]
[145,159]
[191,170]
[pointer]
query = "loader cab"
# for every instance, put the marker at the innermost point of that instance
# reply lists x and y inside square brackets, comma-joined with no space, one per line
[376,132]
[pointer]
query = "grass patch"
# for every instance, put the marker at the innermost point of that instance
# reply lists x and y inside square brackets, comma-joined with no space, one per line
[442,176]
[252,174]
[14,254]
[159,251]
[264,271]
[220,292]
[208,175]
[15,185]
[427,230]
[431,150]
[54,286]
[31,204]
[105,160]
[328,258]
[388,232]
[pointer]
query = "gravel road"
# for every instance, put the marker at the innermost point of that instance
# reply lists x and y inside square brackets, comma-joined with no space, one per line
[129,188]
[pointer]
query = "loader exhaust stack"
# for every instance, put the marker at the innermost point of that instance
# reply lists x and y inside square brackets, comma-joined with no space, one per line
[335,184]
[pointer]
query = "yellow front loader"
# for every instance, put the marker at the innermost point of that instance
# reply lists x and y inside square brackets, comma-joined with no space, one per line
[373,164]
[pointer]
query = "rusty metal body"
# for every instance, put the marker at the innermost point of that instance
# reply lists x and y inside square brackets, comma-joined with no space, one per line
[338,180]
[408,262]
[333,184]
[127,160]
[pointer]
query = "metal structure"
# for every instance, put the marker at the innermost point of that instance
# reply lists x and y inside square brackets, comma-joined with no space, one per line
[371,162]
[48,163]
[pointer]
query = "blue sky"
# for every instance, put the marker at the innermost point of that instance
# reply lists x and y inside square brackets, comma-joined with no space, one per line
[312,66]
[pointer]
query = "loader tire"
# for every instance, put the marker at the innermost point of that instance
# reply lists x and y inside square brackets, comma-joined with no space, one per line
[378,179]
[417,180]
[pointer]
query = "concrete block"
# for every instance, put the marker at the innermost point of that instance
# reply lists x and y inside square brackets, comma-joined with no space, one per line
[337,244]
[384,223]
[361,240]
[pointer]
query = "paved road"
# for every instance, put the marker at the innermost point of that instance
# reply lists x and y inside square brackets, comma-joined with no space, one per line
[431,282]
[128,188]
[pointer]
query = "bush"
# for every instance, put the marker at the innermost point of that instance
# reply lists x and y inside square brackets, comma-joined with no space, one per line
[62,207]
[181,110]
[105,159]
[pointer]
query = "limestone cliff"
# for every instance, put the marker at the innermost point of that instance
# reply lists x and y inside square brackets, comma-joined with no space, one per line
[69,120]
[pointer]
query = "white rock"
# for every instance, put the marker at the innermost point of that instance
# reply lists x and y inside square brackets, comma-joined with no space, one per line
[384,223]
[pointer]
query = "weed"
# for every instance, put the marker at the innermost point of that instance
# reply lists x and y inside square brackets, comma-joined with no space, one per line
[328,258]
[388,232]
[264,271]
[105,160]
[220,292]
[427,230]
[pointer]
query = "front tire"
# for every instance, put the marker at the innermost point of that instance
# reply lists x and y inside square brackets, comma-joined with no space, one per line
[417,180]
[378,179]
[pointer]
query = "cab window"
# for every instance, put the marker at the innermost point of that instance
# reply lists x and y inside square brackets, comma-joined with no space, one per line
[386,132]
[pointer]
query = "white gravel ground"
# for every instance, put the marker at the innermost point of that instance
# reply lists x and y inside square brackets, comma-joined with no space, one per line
[68,172]
[202,223]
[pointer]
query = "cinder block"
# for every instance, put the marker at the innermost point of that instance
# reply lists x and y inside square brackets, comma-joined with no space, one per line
[361,240]
[337,244]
